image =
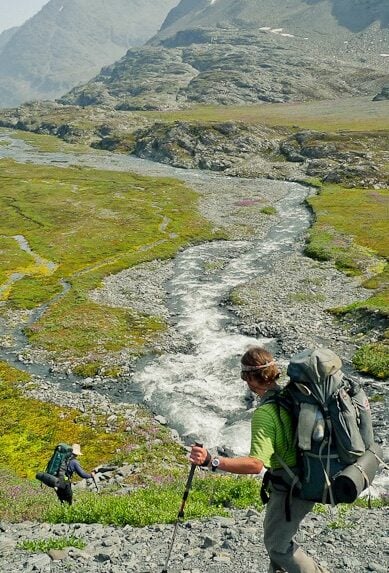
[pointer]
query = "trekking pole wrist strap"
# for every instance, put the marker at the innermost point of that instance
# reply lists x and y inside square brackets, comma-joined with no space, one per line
[207,460]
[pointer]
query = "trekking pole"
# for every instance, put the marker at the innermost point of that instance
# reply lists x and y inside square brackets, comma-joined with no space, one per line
[95,482]
[181,510]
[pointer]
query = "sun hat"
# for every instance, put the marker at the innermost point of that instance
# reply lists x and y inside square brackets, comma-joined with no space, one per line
[76,449]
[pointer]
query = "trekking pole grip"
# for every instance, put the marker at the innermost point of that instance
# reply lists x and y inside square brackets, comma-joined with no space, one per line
[192,471]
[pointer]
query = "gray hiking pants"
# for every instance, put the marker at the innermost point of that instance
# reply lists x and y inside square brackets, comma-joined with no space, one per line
[283,551]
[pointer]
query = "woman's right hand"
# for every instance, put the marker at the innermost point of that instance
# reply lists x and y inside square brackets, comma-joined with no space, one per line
[199,456]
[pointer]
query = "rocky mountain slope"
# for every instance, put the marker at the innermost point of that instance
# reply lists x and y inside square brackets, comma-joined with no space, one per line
[6,35]
[313,18]
[233,52]
[68,42]
[222,66]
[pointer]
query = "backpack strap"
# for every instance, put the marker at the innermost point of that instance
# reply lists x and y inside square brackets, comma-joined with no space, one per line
[289,486]
[284,400]
[295,483]
[327,491]
[277,480]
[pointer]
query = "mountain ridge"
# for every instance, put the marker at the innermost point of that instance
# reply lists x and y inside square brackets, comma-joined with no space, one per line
[355,15]
[64,44]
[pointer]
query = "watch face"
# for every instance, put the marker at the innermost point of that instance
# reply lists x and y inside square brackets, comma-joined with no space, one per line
[215,463]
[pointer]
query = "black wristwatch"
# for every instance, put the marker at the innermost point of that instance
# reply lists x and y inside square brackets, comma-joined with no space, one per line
[215,464]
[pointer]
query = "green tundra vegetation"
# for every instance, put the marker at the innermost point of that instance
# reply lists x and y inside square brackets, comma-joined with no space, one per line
[48,143]
[351,228]
[354,114]
[26,444]
[88,224]
[44,545]
[210,495]
[29,429]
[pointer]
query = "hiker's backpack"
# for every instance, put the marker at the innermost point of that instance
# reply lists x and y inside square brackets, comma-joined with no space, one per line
[58,462]
[333,430]
[56,467]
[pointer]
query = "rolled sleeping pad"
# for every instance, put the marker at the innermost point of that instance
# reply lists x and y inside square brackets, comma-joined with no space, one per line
[350,482]
[47,479]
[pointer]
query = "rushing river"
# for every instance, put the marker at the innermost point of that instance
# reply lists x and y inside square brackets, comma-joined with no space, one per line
[200,392]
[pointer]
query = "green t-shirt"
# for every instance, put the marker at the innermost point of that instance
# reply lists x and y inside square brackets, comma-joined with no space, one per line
[272,431]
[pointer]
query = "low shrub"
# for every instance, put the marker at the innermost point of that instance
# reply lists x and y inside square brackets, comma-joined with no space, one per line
[44,545]
[159,504]
[373,359]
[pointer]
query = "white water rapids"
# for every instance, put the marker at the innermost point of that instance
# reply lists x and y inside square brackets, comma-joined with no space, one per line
[200,393]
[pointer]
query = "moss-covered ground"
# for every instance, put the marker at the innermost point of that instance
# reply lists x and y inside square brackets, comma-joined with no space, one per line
[48,143]
[89,223]
[352,229]
[30,429]
[355,114]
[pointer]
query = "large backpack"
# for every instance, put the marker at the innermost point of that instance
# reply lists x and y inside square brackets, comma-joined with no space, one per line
[57,466]
[58,462]
[333,430]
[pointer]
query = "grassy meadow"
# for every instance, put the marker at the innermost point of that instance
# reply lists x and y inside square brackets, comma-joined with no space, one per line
[48,143]
[89,224]
[352,229]
[29,429]
[354,114]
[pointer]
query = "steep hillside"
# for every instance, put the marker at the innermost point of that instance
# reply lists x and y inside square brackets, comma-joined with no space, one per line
[247,51]
[68,42]
[6,35]
[312,17]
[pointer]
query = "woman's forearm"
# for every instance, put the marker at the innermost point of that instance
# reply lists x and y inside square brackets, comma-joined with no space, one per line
[242,465]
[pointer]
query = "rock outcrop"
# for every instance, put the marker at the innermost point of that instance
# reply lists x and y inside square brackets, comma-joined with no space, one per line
[225,66]
[383,95]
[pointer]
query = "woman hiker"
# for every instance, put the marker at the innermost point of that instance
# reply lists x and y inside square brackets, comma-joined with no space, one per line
[64,490]
[271,435]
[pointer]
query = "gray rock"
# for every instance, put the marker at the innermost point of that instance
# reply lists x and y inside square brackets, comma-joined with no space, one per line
[7,545]
[383,95]
[58,554]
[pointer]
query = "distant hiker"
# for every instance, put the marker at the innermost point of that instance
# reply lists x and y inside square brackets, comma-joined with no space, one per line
[60,468]
[272,435]
[64,488]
